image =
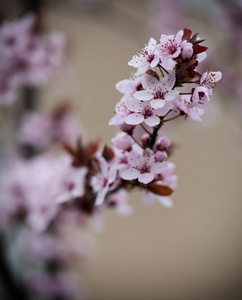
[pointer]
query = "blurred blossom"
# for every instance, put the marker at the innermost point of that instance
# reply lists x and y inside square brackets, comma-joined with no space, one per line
[41,130]
[30,189]
[51,285]
[27,57]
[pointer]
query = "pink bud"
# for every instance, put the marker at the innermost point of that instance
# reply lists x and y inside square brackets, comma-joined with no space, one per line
[161,155]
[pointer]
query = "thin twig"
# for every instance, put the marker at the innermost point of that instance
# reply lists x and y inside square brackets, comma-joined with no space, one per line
[137,142]
[145,129]
[173,118]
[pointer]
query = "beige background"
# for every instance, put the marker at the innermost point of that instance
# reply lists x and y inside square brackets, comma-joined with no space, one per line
[192,251]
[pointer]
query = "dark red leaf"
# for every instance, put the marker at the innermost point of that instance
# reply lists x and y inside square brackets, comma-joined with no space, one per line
[108,153]
[162,190]
[153,73]
[199,49]
[186,34]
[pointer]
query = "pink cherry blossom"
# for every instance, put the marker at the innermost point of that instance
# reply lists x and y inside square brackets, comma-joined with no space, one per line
[169,46]
[104,181]
[71,180]
[185,105]
[157,91]
[35,186]
[148,56]
[144,112]
[36,129]
[27,58]
[142,165]
[201,94]
[210,78]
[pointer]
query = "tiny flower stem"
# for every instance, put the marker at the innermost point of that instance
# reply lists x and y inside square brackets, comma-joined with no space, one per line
[185,93]
[145,129]
[173,118]
[189,81]
[160,66]
[161,71]
[137,142]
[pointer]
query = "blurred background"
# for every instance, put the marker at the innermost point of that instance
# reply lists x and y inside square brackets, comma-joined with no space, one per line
[192,251]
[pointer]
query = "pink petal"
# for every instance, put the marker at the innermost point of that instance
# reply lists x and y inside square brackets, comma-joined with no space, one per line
[215,76]
[179,37]
[155,61]
[203,77]
[156,104]
[124,86]
[164,110]
[159,167]
[148,198]
[143,95]
[171,95]
[148,81]
[130,174]
[165,201]
[101,196]
[146,178]
[152,43]
[152,121]
[134,119]
[168,81]
[133,104]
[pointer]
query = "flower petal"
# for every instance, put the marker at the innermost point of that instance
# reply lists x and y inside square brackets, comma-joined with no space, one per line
[148,82]
[171,95]
[156,104]
[152,121]
[134,119]
[165,201]
[159,167]
[130,174]
[133,104]
[143,95]
[168,81]
[164,110]
[146,177]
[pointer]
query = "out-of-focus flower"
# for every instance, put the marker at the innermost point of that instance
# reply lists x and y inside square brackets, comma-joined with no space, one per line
[27,58]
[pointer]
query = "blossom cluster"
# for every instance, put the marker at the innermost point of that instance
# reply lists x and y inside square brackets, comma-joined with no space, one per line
[40,130]
[27,56]
[42,190]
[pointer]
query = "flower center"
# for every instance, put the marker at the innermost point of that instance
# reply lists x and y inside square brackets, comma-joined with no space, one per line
[144,169]
[201,95]
[172,49]
[147,112]
[159,94]
[150,58]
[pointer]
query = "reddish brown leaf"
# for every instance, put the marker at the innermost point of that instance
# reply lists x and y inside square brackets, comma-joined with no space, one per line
[162,190]
[153,73]
[92,148]
[108,153]
[186,34]
[199,49]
